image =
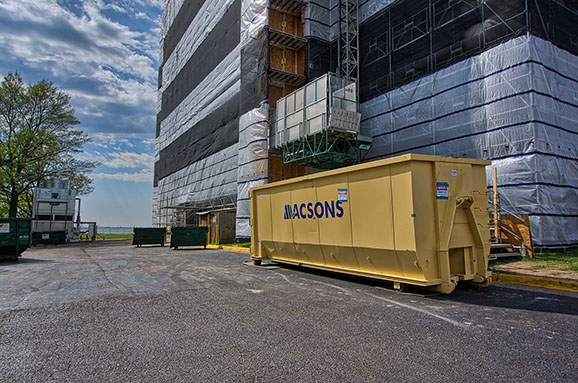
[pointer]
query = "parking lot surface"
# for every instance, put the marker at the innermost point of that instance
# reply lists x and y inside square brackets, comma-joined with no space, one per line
[113,312]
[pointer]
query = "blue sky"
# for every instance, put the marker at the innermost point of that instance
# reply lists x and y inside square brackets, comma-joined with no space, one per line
[104,54]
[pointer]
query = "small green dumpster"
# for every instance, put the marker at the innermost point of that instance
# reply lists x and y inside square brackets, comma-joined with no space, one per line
[14,237]
[148,236]
[188,236]
[57,237]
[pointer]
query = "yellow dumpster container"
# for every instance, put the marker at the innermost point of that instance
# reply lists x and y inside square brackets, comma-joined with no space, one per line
[413,219]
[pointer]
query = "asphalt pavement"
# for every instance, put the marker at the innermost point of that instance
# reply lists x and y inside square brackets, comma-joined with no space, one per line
[112,312]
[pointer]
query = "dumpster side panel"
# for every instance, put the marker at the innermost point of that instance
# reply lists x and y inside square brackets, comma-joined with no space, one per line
[334,223]
[403,220]
[7,233]
[480,209]
[282,229]
[189,236]
[372,221]
[24,238]
[262,234]
[305,227]
[148,236]
[401,187]
[14,237]
[49,237]
[425,220]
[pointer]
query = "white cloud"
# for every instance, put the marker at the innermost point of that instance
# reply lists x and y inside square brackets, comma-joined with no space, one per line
[130,160]
[153,3]
[116,8]
[98,61]
[106,140]
[116,158]
[141,15]
[145,175]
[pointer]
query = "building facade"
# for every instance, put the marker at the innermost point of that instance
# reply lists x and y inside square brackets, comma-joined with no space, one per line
[464,78]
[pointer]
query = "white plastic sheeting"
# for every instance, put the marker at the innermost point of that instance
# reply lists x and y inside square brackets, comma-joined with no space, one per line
[254,17]
[215,176]
[215,89]
[253,125]
[514,104]
[172,8]
[205,20]
[207,179]
[252,162]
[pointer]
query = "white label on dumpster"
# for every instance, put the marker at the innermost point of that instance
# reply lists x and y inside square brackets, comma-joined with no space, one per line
[442,190]
[4,228]
[342,195]
[45,236]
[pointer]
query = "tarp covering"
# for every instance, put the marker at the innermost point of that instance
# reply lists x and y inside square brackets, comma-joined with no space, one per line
[252,166]
[207,179]
[253,125]
[321,17]
[513,104]
[198,105]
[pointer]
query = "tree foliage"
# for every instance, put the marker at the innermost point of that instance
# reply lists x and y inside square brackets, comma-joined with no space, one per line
[37,141]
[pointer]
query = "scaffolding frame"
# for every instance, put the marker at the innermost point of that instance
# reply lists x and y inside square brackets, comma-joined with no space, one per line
[348,40]
[327,149]
[411,39]
[224,203]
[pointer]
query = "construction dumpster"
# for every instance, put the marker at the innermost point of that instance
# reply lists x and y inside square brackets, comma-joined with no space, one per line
[14,237]
[414,219]
[149,236]
[57,237]
[188,236]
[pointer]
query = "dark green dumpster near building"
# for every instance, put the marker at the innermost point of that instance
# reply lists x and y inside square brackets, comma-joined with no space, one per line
[49,237]
[14,237]
[188,236]
[149,236]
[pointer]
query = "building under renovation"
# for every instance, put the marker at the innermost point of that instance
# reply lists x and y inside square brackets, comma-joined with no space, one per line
[252,92]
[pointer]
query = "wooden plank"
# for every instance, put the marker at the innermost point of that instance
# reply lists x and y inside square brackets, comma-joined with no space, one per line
[277,58]
[275,93]
[285,21]
[521,229]
[279,171]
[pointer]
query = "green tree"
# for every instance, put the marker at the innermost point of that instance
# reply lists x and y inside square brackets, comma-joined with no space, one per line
[37,141]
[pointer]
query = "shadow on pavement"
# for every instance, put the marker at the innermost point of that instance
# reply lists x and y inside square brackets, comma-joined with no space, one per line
[23,259]
[552,301]
[495,295]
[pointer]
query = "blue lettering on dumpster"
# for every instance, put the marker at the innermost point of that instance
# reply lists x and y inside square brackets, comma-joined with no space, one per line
[325,209]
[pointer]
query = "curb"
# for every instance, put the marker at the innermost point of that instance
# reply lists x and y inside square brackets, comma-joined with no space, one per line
[550,283]
[230,248]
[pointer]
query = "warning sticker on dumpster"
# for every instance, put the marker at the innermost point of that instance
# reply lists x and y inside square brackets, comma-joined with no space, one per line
[45,236]
[442,190]
[4,228]
[342,195]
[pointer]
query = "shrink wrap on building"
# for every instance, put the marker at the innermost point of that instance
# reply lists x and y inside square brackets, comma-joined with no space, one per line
[252,166]
[513,104]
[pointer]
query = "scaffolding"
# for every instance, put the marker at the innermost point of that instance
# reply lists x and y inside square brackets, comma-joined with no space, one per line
[410,39]
[348,41]
[187,213]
